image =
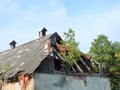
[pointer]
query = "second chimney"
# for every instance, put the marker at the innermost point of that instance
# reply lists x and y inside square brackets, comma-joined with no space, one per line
[13,44]
[42,33]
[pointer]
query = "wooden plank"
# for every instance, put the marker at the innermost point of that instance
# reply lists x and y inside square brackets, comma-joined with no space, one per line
[78,67]
[62,60]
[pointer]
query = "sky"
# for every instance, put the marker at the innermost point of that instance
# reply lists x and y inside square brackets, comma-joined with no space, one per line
[21,20]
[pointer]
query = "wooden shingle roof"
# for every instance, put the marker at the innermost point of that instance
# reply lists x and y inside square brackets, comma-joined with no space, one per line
[26,58]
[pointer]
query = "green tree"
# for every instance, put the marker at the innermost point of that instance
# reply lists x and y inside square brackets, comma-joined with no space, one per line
[73,53]
[107,53]
[115,69]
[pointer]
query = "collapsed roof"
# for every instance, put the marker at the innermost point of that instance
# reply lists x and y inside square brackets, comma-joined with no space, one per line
[28,57]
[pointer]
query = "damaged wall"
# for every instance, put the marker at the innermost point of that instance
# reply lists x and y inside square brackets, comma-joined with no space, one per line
[18,86]
[65,82]
[11,86]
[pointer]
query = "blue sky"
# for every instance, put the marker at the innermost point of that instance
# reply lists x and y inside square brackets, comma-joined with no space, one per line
[21,20]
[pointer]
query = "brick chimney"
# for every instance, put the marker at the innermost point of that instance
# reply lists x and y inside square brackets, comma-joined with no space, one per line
[13,44]
[42,33]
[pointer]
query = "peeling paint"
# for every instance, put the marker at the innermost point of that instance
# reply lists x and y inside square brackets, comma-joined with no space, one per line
[24,81]
[18,86]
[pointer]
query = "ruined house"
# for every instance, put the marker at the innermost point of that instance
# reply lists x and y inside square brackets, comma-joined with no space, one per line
[38,65]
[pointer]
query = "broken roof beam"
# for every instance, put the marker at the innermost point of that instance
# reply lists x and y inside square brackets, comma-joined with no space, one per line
[60,57]
[87,63]
[99,66]
[73,69]
[83,67]
[79,68]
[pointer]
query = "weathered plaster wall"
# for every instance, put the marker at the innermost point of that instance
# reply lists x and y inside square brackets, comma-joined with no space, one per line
[11,86]
[65,82]
[17,86]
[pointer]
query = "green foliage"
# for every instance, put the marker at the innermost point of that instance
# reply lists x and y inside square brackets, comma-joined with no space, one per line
[108,54]
[101,47]
[4,69]
[73,53]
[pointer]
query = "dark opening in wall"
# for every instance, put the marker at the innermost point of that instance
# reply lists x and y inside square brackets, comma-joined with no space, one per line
[46,66]
[58,65]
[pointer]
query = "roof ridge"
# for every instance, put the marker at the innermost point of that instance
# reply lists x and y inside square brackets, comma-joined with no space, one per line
[25,43]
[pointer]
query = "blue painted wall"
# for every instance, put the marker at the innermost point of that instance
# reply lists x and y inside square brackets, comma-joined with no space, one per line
[65,82]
